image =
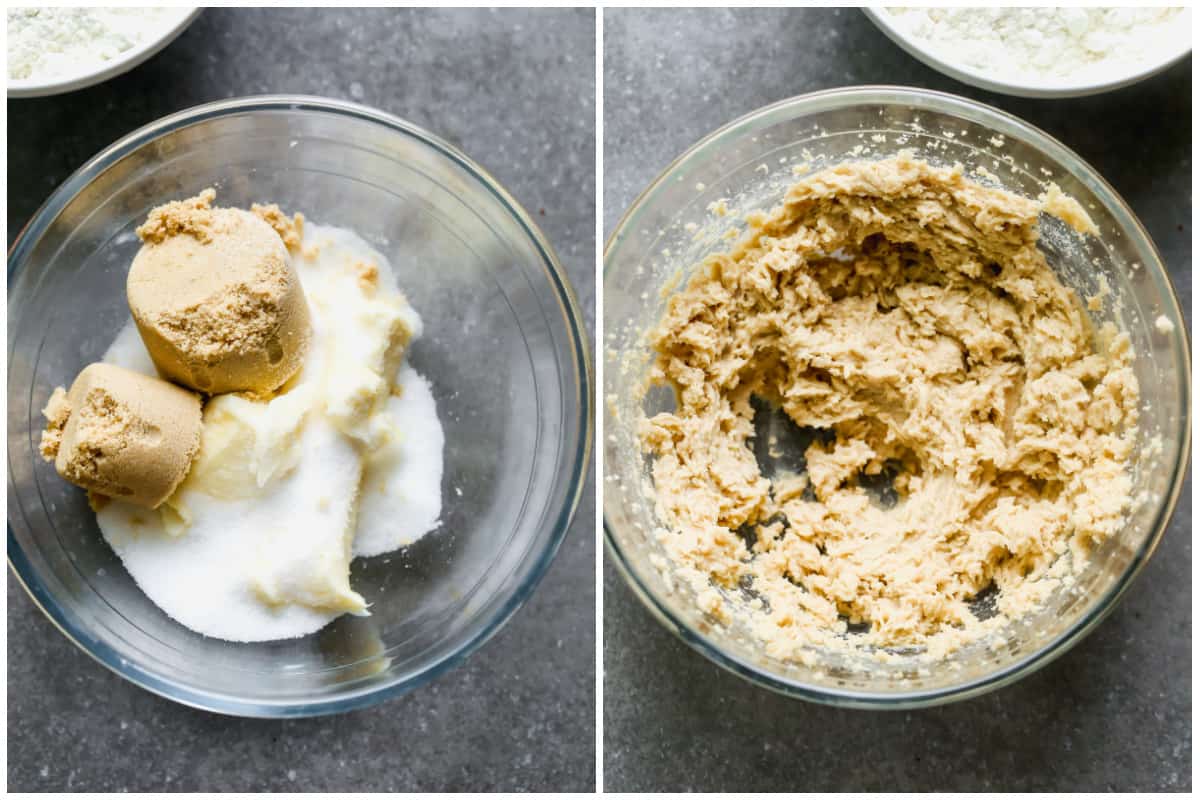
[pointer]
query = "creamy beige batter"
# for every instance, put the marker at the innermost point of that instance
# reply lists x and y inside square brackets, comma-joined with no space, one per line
[907,312]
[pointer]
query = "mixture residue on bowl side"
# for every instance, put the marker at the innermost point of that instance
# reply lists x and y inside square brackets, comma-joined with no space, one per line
[904,316]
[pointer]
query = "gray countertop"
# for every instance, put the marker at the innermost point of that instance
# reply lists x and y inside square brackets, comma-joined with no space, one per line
[1114,713]
[515,90]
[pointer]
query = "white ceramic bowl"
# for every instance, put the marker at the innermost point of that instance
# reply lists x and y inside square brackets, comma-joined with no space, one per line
[919,49]
[92,75]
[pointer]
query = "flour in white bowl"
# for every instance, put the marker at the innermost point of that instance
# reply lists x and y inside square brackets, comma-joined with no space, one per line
[45,43]
[1050,46]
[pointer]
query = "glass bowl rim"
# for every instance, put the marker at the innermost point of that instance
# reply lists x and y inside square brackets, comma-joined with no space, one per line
[1010,125]
[576,331]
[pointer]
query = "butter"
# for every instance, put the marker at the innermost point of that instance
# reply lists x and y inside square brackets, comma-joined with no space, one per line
[320,580]
[245,444]
[361,370]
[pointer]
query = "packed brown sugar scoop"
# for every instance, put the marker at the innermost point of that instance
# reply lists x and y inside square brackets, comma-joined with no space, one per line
[904,315]
[220,309]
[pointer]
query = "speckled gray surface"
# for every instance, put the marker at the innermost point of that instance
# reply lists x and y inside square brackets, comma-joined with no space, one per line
[515,90]
[1114,713]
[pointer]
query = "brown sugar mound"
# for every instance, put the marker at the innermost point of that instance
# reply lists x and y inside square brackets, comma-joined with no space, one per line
[290,229]
[122,434]
[191,217]
[216,298]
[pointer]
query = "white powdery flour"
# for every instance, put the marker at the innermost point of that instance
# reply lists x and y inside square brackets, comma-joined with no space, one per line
[55,42]
[1048,45]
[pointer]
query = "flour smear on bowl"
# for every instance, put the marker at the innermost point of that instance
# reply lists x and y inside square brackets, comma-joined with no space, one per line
[1048,45]
[48,43]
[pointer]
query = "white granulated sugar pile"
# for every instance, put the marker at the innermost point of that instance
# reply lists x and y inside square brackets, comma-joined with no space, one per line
[1048,45]
[55,42]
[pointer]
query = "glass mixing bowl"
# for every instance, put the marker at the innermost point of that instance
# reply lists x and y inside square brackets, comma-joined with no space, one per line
[504,348]
[747,165]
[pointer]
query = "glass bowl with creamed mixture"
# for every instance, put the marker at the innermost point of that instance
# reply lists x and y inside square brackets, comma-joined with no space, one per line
[896,397]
